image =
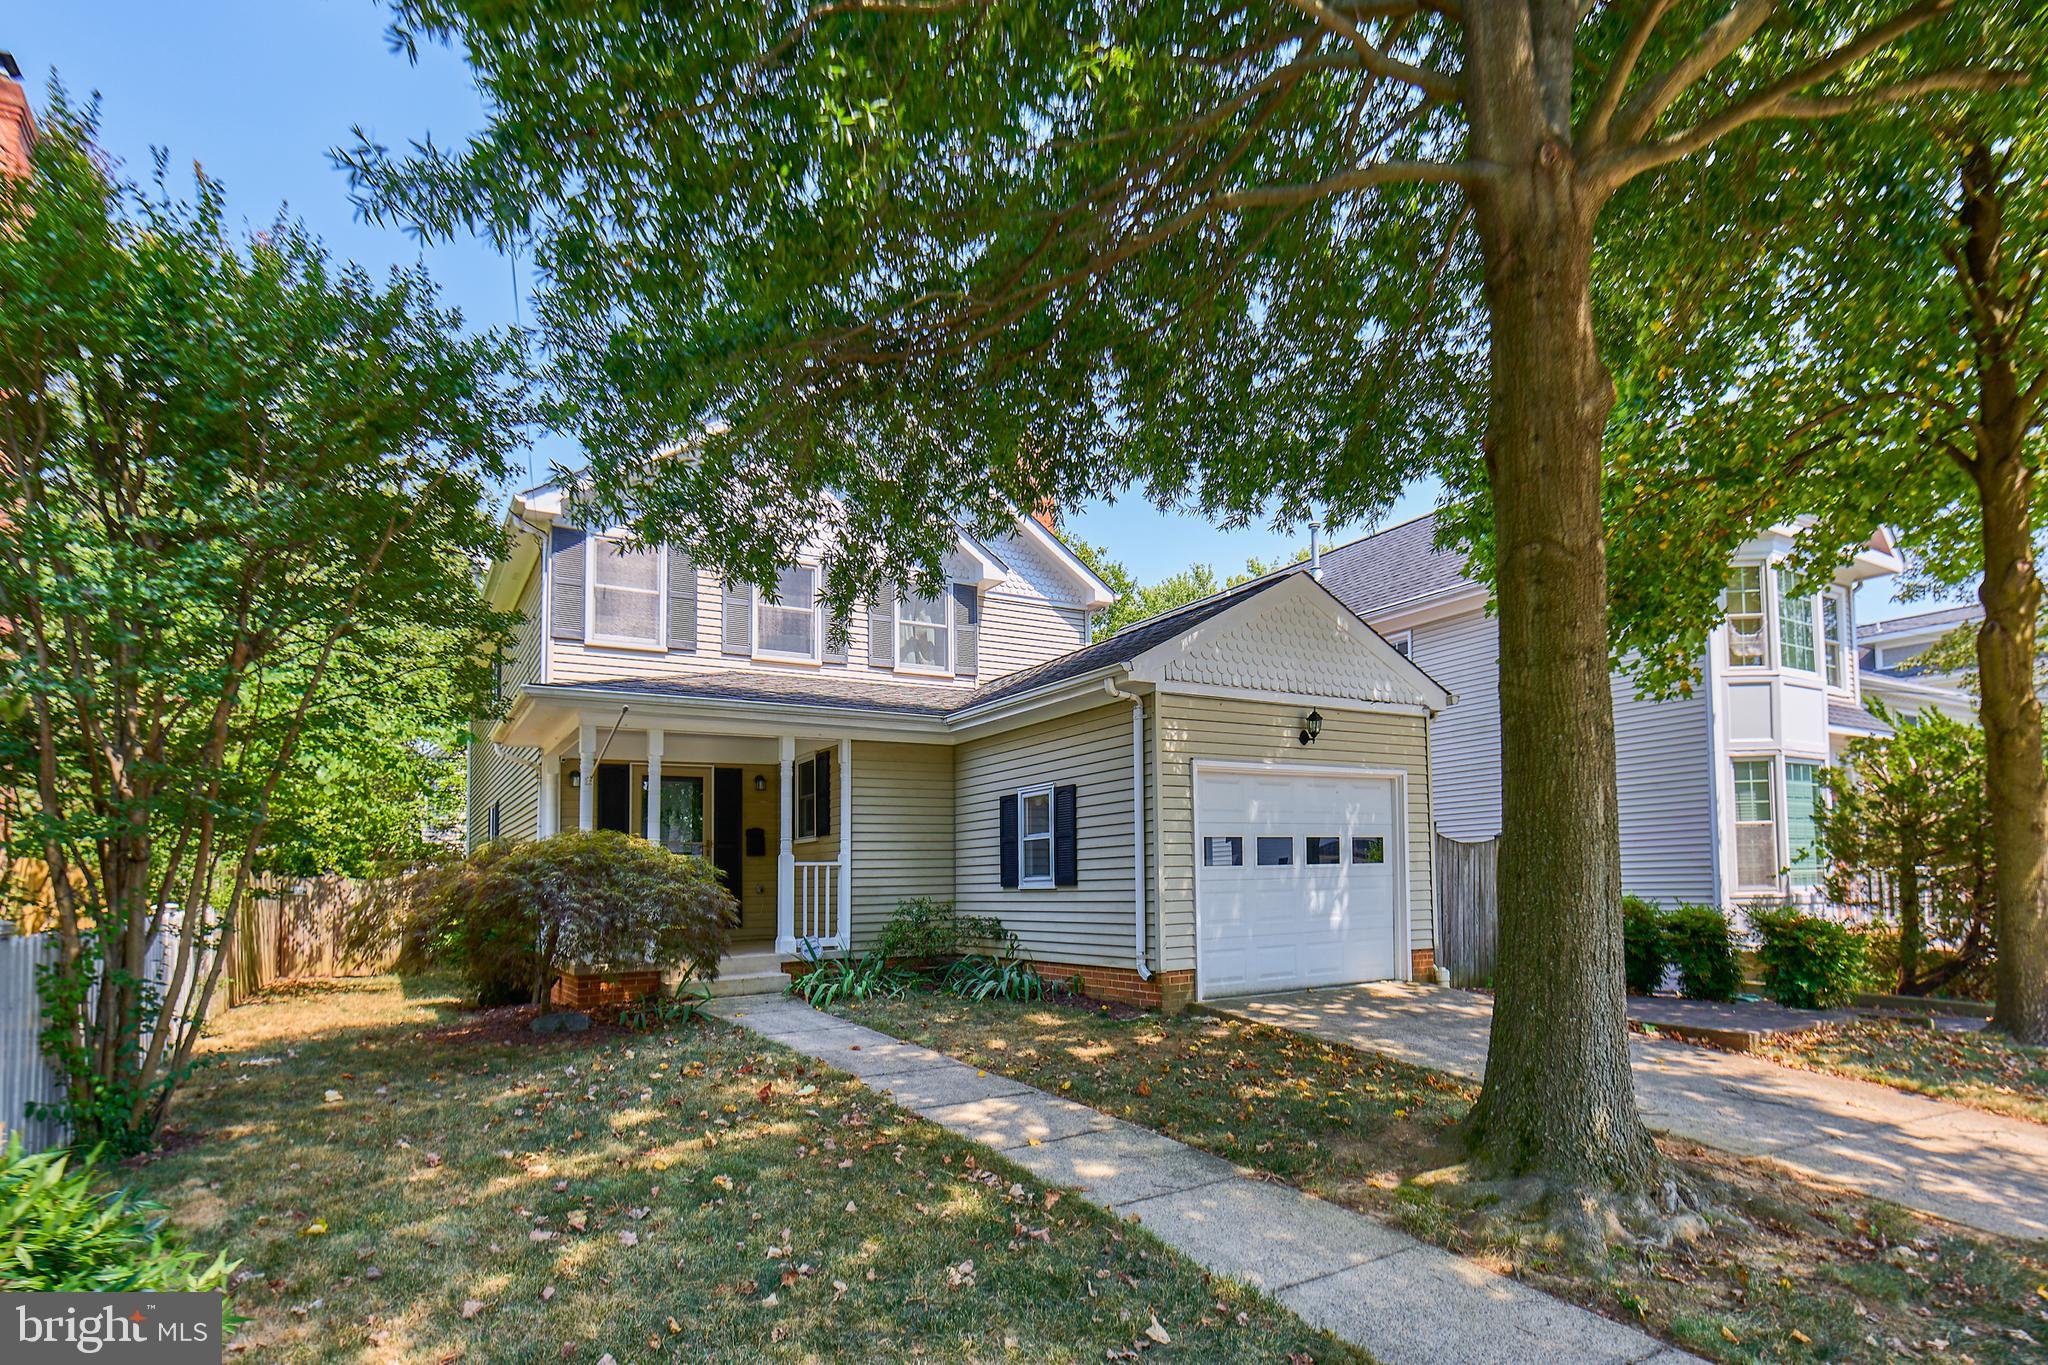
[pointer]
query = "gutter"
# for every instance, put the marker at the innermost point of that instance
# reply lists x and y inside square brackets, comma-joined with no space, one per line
[1138,955]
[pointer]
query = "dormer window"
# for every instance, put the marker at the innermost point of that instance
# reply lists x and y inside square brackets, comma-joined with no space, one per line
[787,628]
[924,636]
[625,594]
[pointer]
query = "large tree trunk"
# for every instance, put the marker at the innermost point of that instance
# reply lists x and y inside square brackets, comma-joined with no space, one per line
[2015,776]
[1558,1100]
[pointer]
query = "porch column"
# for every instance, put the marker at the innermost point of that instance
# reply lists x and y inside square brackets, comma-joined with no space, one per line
[785,858]
[845,844]
[586,781]
[655,740]
[549,816]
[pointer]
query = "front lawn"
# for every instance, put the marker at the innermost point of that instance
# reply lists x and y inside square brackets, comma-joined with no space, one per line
[404,1181]
[1984,1069]
[1797,1272]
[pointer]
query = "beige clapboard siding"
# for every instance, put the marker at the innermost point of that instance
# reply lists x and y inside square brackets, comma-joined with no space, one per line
[1018,629]
[902,829]
[494,777]
[1087,923]
[1266,731]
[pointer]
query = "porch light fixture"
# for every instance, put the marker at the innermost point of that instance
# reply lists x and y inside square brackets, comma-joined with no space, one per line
[575,778]
[760,782]
[1311,727]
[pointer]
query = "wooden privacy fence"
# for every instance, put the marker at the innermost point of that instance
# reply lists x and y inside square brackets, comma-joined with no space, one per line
[1467,909]
[295,929]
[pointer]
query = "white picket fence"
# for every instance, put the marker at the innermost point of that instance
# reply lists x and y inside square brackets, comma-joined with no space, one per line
[25,1074]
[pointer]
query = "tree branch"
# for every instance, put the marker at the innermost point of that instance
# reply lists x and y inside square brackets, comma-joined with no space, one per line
[1443,85]
[1722,38]
[1616,85]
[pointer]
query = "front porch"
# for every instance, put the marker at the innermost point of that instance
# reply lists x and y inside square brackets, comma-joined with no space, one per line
[773,813]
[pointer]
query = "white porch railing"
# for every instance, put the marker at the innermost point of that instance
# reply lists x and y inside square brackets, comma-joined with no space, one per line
[814,909]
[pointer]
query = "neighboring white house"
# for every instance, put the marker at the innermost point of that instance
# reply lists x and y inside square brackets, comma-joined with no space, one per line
[1716,789]
[1229,797]
[1887,654]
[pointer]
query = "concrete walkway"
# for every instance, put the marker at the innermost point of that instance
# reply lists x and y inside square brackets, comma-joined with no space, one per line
[1979,1169]
[1401,1300]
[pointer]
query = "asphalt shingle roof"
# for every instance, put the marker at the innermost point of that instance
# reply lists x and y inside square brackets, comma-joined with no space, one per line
[1399,564]
[1843,716]
[1946,616]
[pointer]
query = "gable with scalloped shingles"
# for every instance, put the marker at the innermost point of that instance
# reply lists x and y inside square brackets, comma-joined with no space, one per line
[1295,647]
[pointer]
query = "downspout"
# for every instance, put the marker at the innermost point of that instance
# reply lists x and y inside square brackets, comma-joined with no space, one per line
[1138,954]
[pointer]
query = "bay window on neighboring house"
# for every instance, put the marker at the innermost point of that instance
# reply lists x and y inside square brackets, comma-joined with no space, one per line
[1795,629]
[787,628]
[1756,826]
[1802,830]
[625,594]
[924,636]
[1743,605]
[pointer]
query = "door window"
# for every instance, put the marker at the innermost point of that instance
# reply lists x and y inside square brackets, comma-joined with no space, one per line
[682,815]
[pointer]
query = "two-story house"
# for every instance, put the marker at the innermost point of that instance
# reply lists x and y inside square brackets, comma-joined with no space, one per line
[1717,789]
[1230,797]
[1889,660]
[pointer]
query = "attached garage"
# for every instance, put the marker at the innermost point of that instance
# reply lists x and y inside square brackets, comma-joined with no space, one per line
[1300,876]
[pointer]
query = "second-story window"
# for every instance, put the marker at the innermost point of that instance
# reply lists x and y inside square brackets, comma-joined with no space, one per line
[924,638]
[625,594]
[787,628]
[1834,638]
[1744,605]
[1795,629]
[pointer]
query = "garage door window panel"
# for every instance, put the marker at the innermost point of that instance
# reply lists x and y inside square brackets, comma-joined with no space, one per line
[1276,850]
[1369,849]
[1321,850]
[1224,850]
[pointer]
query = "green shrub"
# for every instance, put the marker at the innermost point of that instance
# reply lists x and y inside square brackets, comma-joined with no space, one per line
[510,916]
[1697,942]
[1808,963]
[1643,954]
[980,977]
[676,1008]
[924,931]
[56,1234]
[867,977]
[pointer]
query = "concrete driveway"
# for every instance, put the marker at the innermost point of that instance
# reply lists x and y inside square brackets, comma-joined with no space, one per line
[1979,1169]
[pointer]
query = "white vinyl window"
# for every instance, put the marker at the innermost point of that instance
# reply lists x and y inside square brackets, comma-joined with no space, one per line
[1834,638]
[787,628]
[625,594]
[1403,643]
[924,635]
[1034,837]
[1756,825]
[1795,629]
[1743,604]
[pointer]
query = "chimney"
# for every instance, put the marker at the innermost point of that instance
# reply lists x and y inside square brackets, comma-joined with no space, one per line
[17,124]
[1046,514]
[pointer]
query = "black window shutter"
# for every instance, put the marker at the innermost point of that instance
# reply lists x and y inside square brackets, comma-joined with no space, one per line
[824,786]
[565,604]
[1066,862]
[1006,835]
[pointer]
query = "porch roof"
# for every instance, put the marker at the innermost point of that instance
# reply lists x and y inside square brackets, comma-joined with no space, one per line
[799,689]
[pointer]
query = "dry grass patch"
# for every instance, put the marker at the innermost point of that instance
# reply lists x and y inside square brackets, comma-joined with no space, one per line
[1790,1270]
[402,1187]
[1985,1070]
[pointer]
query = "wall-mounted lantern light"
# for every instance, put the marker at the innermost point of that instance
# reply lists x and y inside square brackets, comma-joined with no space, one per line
[576,779]
[1311,726]
[760,782]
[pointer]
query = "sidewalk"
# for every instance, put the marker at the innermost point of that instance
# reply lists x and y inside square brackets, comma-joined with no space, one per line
[1979,1169]
[1404,1301]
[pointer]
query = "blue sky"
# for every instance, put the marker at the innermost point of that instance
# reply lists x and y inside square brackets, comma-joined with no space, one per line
[257,92]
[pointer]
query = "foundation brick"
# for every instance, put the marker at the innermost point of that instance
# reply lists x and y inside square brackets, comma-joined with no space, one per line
[1422,965]
[592,990]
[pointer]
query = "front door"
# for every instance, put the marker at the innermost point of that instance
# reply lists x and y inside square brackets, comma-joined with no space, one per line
[682,815]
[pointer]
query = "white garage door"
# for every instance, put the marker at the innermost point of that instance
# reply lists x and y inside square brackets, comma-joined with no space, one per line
[1295,880]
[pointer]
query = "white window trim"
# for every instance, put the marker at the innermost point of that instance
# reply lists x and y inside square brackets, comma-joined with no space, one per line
[1778,623]
[1776,766]
[945,600]
[1403,642]
[1767,608]
[1781,780]
[1840,597]
[817,654]
[590,635]
[1025,881]
[819,797]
